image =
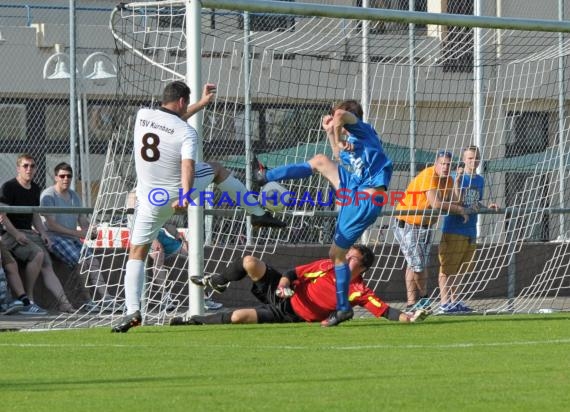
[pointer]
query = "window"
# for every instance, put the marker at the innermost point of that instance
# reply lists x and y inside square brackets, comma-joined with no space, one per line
[101,121]
[384,27]
[528,135]
[57,122]
[458,44]
[269,22]
[280,122]
[13,121]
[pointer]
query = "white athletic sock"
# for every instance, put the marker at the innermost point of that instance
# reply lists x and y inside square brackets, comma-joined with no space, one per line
[134,281]
[231,186]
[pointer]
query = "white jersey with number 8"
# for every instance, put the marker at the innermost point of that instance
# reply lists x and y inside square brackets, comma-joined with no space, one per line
[162,140]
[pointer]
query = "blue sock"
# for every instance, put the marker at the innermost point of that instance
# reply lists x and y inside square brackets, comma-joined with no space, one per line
[342,273]
[285,172]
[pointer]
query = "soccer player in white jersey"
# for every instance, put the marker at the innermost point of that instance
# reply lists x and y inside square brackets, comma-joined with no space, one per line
[165,160]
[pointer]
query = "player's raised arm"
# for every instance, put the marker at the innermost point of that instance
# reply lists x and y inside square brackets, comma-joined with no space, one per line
[208,95]
[339,120]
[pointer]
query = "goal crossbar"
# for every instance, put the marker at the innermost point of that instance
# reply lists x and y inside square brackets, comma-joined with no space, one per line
[374,14]
[396,16]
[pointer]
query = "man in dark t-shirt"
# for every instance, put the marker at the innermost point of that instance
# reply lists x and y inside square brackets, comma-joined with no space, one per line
[24,234]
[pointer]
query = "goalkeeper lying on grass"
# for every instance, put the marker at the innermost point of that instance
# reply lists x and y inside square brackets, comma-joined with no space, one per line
[306,293]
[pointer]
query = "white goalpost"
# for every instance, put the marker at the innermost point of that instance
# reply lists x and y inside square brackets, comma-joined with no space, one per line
[434,85]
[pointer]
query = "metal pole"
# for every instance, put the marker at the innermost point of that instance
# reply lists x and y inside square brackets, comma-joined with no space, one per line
[499,39]
[561,118]
[82,127]
[412,90]
[365,98]
[478,91]
[398,16]
[365,95]
[86,168]
[72,92]
[195,232]
[247,113]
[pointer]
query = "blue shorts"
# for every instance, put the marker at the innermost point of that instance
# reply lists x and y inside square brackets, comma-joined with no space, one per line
[355,215]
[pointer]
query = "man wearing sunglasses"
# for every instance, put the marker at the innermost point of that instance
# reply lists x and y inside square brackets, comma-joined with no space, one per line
[66,231]
[25,235]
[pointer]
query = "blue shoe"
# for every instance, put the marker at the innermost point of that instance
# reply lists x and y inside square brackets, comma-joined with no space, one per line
[10,308]
[452,308]
[455,307]
[444,308]
[33,310]
[461,307]
[423,303]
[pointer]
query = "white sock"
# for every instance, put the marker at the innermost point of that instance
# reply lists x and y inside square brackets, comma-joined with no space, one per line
[134,281]
[231,186]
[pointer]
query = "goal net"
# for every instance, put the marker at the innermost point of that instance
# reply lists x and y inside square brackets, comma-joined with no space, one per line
[274,83]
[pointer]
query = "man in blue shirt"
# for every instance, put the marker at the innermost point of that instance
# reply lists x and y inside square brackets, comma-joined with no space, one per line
[358,146]
[458,243]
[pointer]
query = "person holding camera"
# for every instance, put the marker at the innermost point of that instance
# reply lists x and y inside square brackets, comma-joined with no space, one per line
[458,243]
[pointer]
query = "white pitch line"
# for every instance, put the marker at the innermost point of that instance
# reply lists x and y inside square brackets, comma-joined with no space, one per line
[299,347]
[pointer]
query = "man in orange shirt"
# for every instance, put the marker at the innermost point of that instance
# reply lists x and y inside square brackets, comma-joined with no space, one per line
[429,193]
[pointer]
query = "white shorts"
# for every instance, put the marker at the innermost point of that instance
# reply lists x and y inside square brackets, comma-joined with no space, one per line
[148,218]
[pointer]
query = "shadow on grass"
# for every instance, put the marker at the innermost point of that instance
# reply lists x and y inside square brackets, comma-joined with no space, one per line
[362,323]
[447,319]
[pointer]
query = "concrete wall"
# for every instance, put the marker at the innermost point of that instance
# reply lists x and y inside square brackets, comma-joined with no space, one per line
[527,264]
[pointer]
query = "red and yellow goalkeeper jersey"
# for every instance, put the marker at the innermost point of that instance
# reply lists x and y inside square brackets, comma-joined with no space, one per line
[315,292]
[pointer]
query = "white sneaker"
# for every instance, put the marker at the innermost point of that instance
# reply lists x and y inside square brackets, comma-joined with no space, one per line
[419,315]
[209,304]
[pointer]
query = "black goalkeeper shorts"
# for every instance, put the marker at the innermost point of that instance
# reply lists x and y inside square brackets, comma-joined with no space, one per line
[273,308]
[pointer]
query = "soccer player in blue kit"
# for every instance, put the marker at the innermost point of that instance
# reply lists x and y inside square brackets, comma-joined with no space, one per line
[358,146]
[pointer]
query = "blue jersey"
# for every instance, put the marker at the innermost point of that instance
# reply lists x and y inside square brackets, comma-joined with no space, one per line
[371,167]
[472,190]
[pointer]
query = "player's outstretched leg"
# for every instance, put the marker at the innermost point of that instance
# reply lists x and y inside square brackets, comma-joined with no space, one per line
[232,186]
[220,318]
[262,175]
[212,281]
[219,282]
[337,318]
[127,322]
[259,172]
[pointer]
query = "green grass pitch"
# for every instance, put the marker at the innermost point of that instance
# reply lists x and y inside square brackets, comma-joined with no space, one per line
[470,363]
